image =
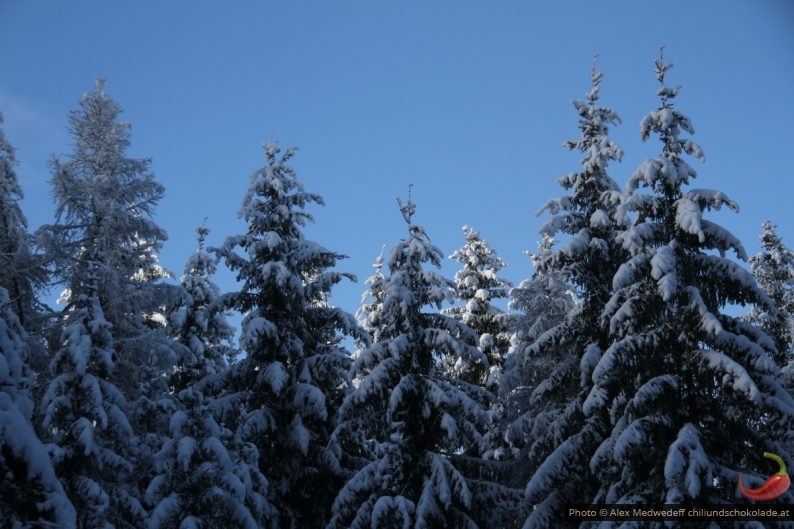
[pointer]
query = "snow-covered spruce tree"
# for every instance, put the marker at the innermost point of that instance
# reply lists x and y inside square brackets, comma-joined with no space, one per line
[688,393]
[85,416]
[30,493]
[104,206]
[586,260]
[369,314]
[476,286]
[404,419]
[20,270]
[293,376]
[200,325]
[537,304]
[208,477]
[773,268]
[205,478]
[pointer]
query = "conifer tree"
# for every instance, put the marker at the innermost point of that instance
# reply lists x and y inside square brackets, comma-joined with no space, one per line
[404,421]
[773,268]
[31,494]
[477,285]
[20,271]
[369,314]
[702,403]
[104,206]
[200,325]
[589,258]
[586,261]
[92,443]
[206,478]
[540,303]
[294,373]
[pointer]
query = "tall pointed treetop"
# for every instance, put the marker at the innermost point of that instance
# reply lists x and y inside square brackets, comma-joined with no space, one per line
[294,373]
[105,201]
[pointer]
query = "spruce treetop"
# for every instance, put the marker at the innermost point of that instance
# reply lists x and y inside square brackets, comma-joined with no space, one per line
[585,217]
[669,171]
[369,314]
[591,189]
[294,373]
[773,267]
[594,122]
[476,286]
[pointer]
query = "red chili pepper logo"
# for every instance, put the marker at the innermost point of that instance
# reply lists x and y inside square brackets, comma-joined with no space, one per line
[774,487]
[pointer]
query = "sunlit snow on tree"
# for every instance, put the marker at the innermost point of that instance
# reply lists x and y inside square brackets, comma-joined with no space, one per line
[477,286]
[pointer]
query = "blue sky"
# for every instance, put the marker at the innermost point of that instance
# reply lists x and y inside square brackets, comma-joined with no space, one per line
[469,101]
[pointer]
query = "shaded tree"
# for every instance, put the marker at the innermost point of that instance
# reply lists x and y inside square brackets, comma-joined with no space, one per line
[539,303]
[85,417]
[294,372]
[206,476]
[773,268]
[105,201]
[404,420]
[31,494]
[21,272]
[586,261]
[200,324]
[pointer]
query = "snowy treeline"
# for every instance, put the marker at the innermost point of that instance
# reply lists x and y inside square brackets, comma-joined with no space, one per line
[616,372]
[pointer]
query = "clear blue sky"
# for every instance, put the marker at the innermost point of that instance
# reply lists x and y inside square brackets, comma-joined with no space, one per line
[470,101]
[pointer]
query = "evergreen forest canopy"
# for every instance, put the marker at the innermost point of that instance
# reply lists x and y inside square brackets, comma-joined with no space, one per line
[616,375]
